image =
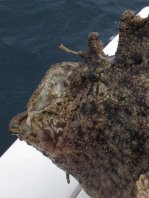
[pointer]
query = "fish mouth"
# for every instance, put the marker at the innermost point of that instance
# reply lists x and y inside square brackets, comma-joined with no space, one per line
[18,123]
[41,125]
[40,139]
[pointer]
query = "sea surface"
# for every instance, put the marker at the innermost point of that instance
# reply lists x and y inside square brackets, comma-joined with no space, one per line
[30,31]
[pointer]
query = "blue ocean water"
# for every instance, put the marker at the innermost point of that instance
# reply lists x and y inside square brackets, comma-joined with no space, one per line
[30,31]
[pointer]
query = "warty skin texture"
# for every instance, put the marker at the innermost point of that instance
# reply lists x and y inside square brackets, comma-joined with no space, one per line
[91,118]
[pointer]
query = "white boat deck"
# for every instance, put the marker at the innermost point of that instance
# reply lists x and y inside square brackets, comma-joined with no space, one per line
[26,173]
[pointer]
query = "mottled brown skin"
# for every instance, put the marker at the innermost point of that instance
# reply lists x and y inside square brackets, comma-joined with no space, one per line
[103,118]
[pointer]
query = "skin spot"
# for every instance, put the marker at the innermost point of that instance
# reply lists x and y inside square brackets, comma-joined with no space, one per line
[45,139]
